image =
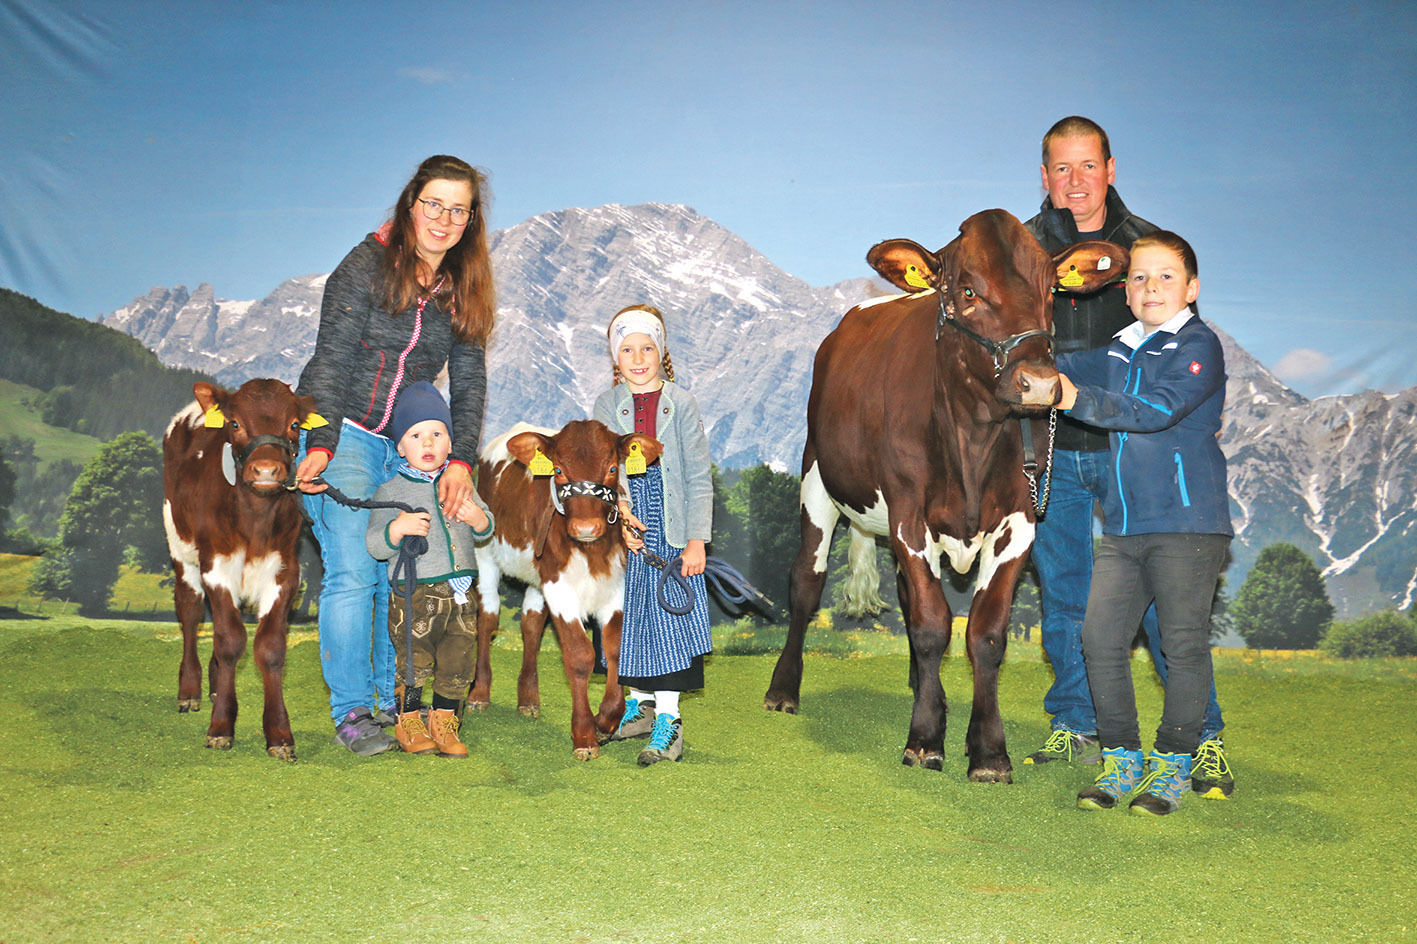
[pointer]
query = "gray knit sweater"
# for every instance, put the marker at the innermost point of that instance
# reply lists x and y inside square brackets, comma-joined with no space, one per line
[449,542]
[364,356]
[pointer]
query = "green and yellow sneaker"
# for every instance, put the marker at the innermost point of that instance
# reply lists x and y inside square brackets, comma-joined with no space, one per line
[1068,746]
[1165,783]
[1121,772]
[1210,772]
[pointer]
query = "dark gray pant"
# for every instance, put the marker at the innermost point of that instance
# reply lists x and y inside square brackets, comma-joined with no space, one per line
[1179,572]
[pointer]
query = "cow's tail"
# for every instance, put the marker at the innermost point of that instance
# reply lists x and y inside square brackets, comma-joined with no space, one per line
[861,591]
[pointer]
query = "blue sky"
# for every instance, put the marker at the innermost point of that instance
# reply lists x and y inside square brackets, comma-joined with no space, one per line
[242,144]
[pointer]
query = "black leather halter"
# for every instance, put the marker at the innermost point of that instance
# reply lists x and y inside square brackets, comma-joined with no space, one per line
[999,349]
[239,456]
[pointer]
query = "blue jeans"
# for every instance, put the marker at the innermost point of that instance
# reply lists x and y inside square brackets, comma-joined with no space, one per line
[356,656]
[1062,554]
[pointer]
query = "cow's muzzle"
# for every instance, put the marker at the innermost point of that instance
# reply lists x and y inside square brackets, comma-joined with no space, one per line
[585,532]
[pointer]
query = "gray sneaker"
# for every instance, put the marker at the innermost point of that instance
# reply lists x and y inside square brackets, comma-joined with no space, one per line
[666,741]
[359,732]
[637,721]
[1068,746]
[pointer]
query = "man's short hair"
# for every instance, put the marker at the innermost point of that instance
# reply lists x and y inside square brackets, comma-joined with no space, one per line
[1072,126]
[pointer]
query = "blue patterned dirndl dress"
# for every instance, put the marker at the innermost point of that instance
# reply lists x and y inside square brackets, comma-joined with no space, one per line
[653,640]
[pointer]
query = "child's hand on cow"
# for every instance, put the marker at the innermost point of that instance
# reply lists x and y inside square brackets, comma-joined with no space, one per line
[631,528]
[693,559]
[415,522]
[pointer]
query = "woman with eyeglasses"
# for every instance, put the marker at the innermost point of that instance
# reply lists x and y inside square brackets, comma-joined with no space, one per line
[409,299]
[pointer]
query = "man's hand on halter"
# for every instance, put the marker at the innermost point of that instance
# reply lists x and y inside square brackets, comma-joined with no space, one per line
[310,468]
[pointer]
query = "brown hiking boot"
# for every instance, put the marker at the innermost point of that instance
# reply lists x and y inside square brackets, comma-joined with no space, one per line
[413,734]
[443,725]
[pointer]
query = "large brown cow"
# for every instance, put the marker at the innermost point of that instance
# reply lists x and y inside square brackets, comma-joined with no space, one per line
[913,432]
[553,496]
[232,527]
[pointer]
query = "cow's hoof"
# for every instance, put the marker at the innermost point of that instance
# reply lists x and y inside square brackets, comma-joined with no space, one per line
[930,760]
[777,701]
[185,705]
[983,775]
[477,705]
[529,711]
[285,752]
[220,742]
[587,753]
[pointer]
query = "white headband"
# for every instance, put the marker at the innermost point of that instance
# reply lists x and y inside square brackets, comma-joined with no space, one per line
[635,321]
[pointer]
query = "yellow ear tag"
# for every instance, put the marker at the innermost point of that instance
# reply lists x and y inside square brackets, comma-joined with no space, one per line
[540,465]
[635,460]
[314,421]
[913,277]
[1073,279]
[213,418]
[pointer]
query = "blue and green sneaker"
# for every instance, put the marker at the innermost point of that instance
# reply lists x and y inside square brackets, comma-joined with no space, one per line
[1121,772]
[1160,792]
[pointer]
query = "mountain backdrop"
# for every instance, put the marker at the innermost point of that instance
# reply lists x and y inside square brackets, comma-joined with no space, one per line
[1336,476]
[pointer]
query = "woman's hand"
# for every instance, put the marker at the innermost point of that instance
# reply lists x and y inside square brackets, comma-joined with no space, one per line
[631,528]
[310,468]
[454,488]
[1070,392]
[694,558]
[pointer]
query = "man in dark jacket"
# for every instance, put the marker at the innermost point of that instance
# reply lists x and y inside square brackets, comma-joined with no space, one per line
[1078,172]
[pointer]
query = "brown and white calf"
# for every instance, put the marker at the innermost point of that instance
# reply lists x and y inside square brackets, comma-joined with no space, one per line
[553,496]
[232,528]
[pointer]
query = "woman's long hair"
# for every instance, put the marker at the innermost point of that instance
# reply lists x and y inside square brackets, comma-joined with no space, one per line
[465,289]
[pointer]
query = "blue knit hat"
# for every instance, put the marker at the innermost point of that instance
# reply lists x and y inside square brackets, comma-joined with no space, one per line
[418,402]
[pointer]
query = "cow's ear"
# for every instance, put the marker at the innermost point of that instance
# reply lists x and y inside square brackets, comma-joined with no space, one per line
[525,447]
[1089,266]
[648,451]
[211,398]
[905,264]
[305,413]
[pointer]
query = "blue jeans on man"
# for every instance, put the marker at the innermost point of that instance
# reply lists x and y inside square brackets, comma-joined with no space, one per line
[356,656]
[1062,554]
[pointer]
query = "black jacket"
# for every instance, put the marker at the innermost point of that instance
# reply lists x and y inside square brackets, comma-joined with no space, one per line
[1084,322]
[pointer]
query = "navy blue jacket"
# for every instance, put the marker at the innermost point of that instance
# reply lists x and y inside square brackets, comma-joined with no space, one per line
[1162,403]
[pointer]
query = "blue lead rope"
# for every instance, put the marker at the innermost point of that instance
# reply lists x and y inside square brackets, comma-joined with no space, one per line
[720,576]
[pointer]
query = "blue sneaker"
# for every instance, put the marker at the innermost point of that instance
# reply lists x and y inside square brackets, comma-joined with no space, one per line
[1121,772]
[637,722]
[666,741]
[1167,780]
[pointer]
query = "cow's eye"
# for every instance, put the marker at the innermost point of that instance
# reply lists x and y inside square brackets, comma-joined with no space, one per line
[969,293]
[235,425]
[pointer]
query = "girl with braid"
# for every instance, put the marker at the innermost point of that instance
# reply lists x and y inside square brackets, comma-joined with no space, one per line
[671,503]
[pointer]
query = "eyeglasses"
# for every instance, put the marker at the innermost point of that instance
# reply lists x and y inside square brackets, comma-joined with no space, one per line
[434,209]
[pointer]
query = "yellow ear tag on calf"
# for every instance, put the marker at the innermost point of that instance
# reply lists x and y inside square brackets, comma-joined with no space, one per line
[314,421]
[540,465]
[635,460]
[213,418]
[913,277]
[1073,279]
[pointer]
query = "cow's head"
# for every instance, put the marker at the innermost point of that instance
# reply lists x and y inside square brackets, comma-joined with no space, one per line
[261,422]
[995,285]
[583,464]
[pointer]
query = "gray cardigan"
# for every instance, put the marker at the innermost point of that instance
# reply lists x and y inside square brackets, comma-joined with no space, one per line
[449,542]
[684,464]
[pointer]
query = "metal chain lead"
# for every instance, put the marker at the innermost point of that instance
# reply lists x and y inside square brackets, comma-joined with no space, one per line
[1042,506]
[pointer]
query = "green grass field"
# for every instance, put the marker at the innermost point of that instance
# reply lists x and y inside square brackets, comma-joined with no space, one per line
[122,827]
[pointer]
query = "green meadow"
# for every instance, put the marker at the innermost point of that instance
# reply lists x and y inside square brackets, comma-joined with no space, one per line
[121,826]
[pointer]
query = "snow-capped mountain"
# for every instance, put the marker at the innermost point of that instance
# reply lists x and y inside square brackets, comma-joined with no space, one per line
[1334,476]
